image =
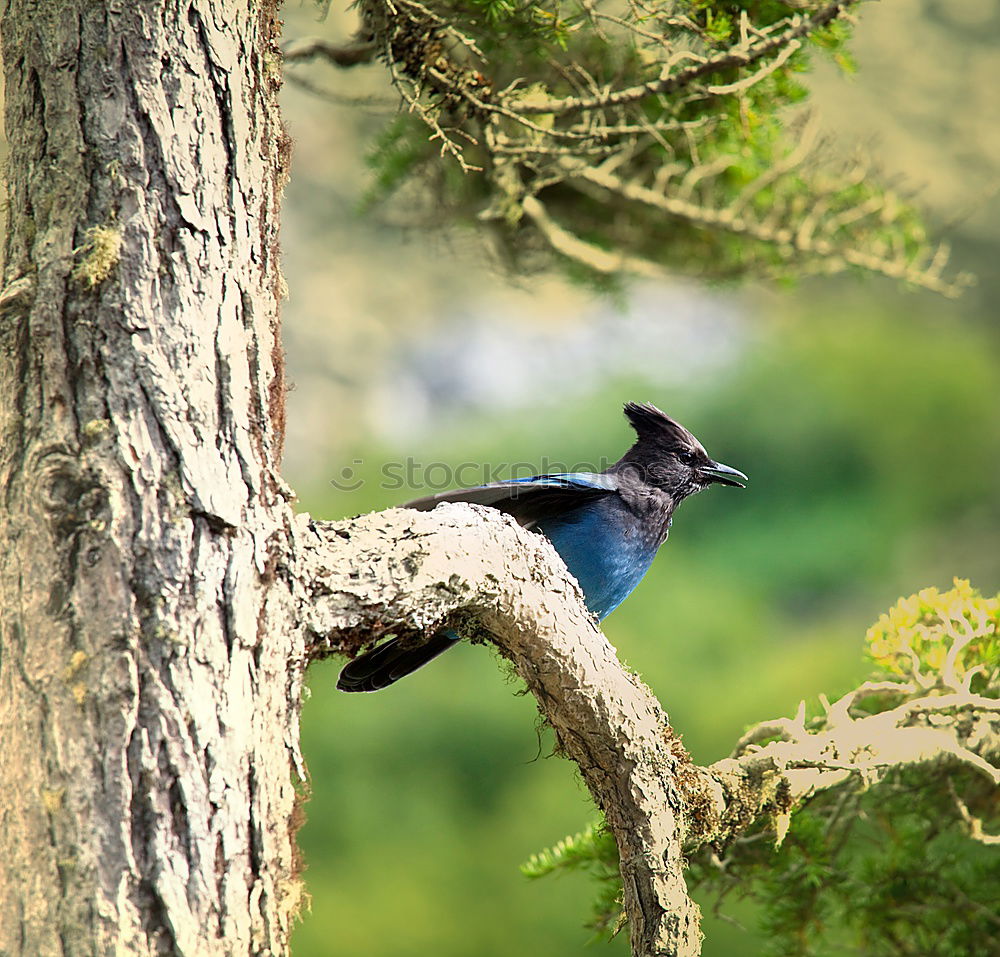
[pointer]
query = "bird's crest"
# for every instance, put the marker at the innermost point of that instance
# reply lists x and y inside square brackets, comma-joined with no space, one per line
[653,425]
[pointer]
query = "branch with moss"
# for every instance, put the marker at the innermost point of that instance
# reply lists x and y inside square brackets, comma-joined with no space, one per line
[847,745]
[673,113]
[916,749]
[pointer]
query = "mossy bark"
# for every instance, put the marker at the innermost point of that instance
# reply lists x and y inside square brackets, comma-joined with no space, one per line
[148,697]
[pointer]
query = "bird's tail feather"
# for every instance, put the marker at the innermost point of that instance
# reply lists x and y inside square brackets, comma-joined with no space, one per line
[395,659]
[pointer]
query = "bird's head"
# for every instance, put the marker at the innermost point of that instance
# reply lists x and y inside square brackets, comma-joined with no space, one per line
[669,457]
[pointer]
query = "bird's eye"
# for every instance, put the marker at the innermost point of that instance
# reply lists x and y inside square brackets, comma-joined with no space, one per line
[687,456]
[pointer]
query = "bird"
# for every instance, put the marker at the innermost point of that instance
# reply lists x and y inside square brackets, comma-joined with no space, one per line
[606,526]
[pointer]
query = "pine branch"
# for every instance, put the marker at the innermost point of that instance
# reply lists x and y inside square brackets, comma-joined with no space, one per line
[926,272]
[782,45]
[657,108]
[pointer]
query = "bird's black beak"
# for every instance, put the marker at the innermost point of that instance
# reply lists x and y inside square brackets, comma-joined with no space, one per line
[723,474]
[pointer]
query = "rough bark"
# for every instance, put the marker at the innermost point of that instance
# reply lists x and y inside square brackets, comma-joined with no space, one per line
[412,571]
[148,708]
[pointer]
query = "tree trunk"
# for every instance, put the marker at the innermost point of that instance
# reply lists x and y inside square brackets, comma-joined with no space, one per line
[148,693]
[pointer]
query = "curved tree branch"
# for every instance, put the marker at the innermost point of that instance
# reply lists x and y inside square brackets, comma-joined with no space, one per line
[404,571]
[464,565]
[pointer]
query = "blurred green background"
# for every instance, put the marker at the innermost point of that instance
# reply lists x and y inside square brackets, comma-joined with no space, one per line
[865,415]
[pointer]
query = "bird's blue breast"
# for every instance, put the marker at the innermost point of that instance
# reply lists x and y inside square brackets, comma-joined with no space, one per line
[605,547]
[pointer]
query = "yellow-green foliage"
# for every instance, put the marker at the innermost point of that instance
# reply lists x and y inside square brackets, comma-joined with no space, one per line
[956,631]
[101,253]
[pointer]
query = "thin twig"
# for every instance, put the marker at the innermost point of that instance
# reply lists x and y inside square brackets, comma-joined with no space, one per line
[350,54]
[589,255]
[378,103]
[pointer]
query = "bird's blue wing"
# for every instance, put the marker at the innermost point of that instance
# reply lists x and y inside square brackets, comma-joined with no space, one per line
[497,492]
[529,499]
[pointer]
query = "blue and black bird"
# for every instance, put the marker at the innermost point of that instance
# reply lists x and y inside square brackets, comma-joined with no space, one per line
[607,526]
